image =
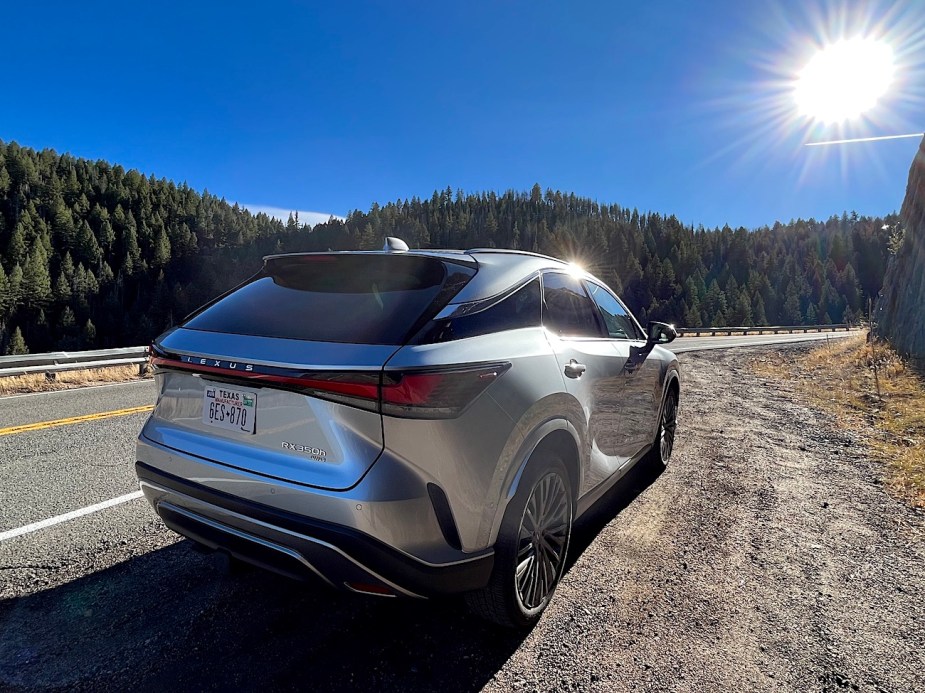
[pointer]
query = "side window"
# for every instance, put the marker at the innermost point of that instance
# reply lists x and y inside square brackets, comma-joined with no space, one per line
[520,309]
[567,310]
[619,323]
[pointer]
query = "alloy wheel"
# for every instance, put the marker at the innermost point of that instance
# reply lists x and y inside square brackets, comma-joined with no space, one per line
[669,426]
[543,541]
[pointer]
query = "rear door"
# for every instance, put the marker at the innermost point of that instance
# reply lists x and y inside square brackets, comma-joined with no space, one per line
[281,377]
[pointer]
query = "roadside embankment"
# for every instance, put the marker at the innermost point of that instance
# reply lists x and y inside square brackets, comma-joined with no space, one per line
[872,392]
[900,315]
[67,380]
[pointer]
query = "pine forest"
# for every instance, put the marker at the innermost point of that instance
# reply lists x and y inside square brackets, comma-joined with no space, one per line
[94,256]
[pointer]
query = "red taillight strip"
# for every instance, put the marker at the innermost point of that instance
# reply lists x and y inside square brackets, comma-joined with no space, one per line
[442,393]
[369,391]
[364,390]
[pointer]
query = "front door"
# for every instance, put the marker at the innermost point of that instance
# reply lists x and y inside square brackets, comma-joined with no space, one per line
[593,371]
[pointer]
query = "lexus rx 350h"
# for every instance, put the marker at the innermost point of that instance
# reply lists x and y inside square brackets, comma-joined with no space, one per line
[406,422]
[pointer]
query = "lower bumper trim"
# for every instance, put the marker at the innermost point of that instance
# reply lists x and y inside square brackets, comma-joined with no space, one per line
[306,546]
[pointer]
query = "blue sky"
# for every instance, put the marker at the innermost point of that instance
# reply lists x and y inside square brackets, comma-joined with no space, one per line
[677,107]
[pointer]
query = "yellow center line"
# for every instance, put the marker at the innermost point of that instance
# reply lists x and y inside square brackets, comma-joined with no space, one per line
[74,419]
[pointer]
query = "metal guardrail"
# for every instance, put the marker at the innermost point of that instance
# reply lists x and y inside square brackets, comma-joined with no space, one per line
[58,361]
[775,329]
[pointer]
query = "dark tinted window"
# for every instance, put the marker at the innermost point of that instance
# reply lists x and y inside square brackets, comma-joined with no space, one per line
[520,309]
[618,322]
[360,299]
[567,309]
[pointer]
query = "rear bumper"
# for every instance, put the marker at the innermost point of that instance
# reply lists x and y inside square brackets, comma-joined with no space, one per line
[303,547]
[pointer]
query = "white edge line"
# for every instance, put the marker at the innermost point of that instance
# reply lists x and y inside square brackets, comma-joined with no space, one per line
[36,526]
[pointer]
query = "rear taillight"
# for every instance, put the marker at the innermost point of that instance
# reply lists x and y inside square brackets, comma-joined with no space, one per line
[357,389]
[436,394]
[425,394]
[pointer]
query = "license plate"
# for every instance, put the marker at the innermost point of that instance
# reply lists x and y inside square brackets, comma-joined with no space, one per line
[233,410]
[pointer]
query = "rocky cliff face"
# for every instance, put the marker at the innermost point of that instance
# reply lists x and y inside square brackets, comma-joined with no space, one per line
[901,311]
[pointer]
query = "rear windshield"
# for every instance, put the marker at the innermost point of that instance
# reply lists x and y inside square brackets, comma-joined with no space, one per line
[356,299]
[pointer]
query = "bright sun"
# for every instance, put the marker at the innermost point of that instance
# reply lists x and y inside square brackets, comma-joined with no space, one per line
[844,80]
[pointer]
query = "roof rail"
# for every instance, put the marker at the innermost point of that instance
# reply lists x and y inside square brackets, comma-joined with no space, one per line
[511,251]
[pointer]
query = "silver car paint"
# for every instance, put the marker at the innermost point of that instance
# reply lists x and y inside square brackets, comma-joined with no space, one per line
[375,479]
[470,456]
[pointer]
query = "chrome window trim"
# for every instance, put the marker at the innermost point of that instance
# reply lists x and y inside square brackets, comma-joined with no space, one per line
[640,332]
[460,310]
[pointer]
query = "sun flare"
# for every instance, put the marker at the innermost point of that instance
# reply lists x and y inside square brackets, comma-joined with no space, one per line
[845,80]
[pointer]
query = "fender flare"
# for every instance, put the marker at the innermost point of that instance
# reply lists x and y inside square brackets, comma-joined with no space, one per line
[533,440]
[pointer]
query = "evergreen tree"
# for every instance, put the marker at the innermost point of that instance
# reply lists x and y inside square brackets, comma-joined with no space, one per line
[17,344]
[88,335]
[161,249]
[16,247]
[6,298]
[758,315]
[36,281]
[62,291]
[792,315]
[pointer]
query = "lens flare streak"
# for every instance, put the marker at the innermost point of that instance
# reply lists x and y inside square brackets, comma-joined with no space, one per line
[866,139]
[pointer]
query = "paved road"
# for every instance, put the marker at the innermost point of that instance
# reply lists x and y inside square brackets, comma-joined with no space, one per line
[683,344]
[96,566]
[87,462]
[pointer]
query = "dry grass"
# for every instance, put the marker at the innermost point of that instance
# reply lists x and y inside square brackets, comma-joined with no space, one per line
[37,382]
[840,378]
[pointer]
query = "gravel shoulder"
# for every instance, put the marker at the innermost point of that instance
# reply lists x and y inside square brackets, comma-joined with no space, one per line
[768,556]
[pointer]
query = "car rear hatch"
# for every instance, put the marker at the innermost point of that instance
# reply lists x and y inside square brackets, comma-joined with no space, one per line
[282,376]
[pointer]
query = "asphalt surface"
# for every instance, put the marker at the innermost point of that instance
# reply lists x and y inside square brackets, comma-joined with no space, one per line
[112,600]
[684,344]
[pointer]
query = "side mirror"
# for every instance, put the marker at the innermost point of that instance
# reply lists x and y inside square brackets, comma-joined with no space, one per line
[661,333]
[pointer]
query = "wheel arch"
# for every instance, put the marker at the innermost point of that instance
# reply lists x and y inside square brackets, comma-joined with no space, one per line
[558,436]
[673,383]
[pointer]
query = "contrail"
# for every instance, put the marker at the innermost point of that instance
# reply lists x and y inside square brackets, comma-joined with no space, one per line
[866,139]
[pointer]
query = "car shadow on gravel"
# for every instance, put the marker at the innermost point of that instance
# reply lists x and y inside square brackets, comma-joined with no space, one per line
[611,504]
[175,619]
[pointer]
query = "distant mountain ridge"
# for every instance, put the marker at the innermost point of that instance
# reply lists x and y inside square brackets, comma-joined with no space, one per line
[92,255]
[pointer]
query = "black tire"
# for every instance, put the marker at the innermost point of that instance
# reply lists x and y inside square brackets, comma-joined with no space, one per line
[663,445]
[529,556]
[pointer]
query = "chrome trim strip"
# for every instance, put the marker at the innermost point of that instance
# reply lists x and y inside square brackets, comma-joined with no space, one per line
[368,594]
[283,530]
[460,309]
[148,441]
[227,529]
[274,364]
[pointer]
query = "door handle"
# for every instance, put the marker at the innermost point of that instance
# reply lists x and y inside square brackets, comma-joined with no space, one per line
[573,369]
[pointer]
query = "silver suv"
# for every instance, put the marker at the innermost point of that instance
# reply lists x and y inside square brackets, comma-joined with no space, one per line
[406,422]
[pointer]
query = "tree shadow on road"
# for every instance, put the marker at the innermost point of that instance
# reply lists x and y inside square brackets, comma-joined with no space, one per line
[173,619]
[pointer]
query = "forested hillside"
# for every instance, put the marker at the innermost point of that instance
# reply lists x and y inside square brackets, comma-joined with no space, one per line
[92,255]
